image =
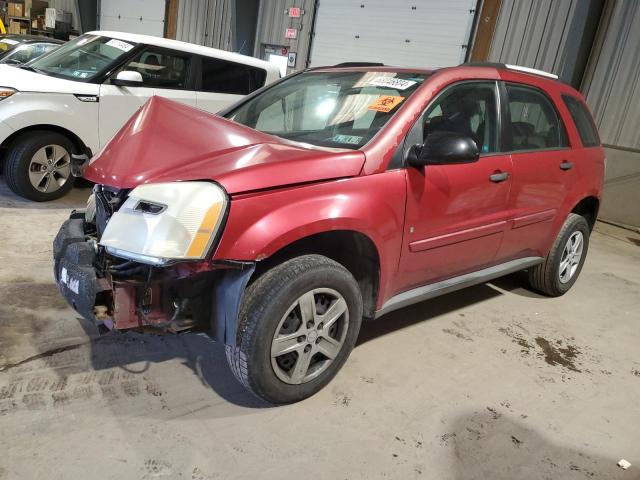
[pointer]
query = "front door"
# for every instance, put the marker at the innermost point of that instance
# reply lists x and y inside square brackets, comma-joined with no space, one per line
[164,72]
[456,214]
[542,170]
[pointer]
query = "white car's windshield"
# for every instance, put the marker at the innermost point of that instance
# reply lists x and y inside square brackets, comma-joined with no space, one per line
[331,109]
[83,58]
[27,52]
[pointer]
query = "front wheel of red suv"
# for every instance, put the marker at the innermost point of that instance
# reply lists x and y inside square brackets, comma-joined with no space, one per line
[560,270]
[298,323]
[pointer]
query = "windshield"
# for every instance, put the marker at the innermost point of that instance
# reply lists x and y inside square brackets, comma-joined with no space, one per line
[7,44]
[83,58]
[27,52]
[331,109]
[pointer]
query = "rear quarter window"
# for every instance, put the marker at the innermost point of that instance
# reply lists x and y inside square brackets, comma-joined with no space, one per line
[221,76]
[582,118]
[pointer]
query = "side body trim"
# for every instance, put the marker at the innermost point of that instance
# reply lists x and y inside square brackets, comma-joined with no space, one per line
[456,237]
[427,292]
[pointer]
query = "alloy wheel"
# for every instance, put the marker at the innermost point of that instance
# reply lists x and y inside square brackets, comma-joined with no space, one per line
[309,336]
[571,256]
[50,168]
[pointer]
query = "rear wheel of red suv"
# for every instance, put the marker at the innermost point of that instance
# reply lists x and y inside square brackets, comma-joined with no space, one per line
[560,270]
[297,325]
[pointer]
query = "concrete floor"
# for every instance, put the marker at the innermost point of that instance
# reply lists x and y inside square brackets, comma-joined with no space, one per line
[493,382]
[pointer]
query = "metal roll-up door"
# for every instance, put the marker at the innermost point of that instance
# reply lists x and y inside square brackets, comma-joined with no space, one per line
[134,16]
[432,33]
[206,22]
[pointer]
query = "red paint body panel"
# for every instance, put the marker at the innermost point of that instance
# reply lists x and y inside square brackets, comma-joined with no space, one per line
[261,224]
[166,141]
[426,224]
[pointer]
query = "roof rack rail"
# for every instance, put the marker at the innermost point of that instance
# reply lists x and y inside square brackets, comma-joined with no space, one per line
[359,64]
[517,68]
[534,71]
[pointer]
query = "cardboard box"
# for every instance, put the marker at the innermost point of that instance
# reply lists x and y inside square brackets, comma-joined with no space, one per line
[17,9]
[14,27]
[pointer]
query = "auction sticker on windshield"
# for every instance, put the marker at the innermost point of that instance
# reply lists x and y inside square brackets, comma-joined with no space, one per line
[119,44]
[391,82]
[385,103]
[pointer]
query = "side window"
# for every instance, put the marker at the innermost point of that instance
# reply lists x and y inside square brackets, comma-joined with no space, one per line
[468,109]
[220,76]
[582,118]
[161,69]
[533,120]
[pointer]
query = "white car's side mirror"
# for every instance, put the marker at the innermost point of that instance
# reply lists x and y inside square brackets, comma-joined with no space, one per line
[127,78]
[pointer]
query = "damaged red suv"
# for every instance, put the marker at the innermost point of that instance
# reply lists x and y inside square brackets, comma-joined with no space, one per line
[331,197]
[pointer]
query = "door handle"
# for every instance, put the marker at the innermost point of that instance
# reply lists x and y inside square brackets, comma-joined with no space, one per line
[499,177]
[565,165]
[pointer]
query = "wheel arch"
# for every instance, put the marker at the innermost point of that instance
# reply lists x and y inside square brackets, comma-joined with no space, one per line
[80,146]
[588,208]
[352,249]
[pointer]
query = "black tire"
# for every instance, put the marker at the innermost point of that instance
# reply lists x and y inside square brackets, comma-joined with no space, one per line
[545,278]
[263,306]
[18,159]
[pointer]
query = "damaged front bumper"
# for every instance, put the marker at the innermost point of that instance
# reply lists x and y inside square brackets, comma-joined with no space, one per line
[117,295]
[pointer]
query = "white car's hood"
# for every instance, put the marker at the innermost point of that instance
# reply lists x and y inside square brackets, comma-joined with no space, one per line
[27,81]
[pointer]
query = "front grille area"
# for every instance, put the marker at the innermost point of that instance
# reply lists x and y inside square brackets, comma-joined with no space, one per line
[108,201]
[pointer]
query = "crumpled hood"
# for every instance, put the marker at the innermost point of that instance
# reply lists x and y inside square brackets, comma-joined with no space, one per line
[167,141]
[26,81]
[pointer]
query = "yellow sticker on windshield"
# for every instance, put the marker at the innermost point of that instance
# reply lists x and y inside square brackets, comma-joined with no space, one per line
[4,47]
[386,103]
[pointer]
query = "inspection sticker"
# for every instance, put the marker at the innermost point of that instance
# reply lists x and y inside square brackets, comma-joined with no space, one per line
[392,82]
[348,139]
[386,103]
[119,44]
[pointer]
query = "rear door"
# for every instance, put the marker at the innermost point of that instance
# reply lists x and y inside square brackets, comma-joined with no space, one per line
[456,214]
[167,73]
[543,170]
[222,83]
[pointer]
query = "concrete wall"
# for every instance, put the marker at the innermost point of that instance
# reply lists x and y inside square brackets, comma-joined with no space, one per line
[622,187]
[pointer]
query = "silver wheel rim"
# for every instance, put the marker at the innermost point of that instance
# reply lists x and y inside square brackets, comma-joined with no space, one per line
[571,255]
[309,336]
[50,168]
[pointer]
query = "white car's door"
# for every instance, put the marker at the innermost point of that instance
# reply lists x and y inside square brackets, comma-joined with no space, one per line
[223,83]
[164,73]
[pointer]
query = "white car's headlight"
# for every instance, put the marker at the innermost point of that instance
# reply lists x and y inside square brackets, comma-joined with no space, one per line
[164,222]
[6,92]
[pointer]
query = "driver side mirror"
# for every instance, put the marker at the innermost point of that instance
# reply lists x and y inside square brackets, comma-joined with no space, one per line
[443,148]
[127,78]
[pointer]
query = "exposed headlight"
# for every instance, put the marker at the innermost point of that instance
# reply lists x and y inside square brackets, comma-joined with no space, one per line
[164,222]
[6,92]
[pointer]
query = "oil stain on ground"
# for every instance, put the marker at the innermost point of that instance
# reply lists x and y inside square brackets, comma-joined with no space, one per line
[554,353]
[558,354]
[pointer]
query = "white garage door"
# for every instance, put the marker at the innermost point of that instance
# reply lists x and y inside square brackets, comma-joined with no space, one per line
[418,33]
[133,16]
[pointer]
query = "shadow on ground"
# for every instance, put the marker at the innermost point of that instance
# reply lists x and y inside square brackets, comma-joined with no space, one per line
[492,445]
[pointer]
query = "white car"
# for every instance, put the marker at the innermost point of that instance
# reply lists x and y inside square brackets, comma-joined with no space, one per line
[74,99]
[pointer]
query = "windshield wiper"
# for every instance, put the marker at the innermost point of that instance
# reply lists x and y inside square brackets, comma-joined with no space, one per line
[24,66]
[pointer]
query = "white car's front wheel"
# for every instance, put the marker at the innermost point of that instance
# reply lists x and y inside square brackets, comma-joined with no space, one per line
[38,166]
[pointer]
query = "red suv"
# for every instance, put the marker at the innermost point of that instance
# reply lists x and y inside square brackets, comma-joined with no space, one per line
[331,197]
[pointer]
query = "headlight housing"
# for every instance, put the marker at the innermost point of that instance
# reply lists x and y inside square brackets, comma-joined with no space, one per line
[161,223]
[6,92]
